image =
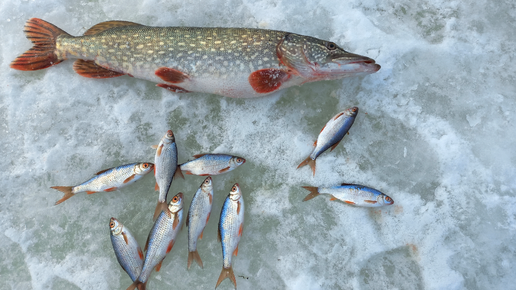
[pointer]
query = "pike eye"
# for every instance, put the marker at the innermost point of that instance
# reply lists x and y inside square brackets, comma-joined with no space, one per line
[331,46]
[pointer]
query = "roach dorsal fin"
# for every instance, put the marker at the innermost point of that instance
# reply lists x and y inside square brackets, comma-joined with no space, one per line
[103,26]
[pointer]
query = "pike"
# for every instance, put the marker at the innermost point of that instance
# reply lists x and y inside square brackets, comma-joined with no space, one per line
[232,62]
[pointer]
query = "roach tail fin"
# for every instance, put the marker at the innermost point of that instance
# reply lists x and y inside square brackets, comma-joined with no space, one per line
[139,285]
[162,206]
[67,190]
[308,161]
[194,256]
[313,192]
[225,274]
[43,54]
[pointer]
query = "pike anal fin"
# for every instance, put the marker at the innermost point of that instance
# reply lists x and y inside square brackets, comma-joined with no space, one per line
[89,69]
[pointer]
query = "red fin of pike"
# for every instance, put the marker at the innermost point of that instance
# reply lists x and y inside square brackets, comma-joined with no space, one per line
[267,80]
[313,192]
[173,88]
[171,75]
[194,256]
[89,69]
[42,55]
[308,161]
[226,273]
[103,26]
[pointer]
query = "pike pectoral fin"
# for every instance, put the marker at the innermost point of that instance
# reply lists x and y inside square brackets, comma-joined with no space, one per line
[267,80]
[89,69]
[173,88]
[103,26]
[171,75]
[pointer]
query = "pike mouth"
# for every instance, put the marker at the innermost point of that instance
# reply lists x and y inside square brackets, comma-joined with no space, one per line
[358,62]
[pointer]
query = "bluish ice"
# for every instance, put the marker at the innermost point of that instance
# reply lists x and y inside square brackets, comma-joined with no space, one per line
[436,132]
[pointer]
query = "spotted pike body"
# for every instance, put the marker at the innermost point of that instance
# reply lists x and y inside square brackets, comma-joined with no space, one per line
[161,239]
[354,194]
[198,216]
[211,164]
[331,135]
[108,180]
[231,225]
[127,251]
[233,62]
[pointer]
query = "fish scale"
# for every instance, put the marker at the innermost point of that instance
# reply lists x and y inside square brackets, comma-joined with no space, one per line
[233,62]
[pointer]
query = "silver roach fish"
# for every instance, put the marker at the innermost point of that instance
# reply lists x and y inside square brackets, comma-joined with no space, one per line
[211,164]
[232,62]
[197,218]
[161,240]
[165,167]
[231,225]
[127,251]
[331,135]
[107,180]
[354,194]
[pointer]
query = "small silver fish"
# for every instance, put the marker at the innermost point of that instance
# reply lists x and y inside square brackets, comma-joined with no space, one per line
[165,167]
[231,225]
[354,194]
[331,135]
[161,239]
[211,164]
[107,180]
[198,216]
[127,251]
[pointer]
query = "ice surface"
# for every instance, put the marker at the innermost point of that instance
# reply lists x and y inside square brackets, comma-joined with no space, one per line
[436,132]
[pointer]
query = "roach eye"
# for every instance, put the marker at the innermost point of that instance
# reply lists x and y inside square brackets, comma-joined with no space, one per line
[112,224]
[145,165]
[175,199]
[331,46]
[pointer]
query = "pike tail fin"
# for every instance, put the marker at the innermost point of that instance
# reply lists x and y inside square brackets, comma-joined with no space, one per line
[67,190]
[161,206]
[43,54]
[194,256]
[308,161]
[313,192]
[225,274]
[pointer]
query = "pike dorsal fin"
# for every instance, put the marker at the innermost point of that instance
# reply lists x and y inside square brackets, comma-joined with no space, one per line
[103,26]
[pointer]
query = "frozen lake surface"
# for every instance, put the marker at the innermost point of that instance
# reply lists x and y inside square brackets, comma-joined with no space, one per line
[436,132]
